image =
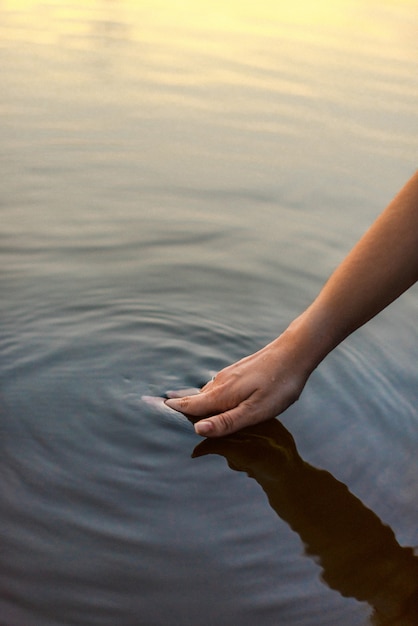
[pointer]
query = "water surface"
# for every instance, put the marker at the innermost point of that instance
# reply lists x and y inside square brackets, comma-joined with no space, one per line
[177,183]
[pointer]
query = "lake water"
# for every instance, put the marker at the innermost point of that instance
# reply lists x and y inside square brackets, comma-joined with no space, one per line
[178,181]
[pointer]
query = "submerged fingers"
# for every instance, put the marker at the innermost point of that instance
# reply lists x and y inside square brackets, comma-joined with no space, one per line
[181,393]
[211,401]
[197,405]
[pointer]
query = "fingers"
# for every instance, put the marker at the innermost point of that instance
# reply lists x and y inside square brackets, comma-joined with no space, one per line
[157,402]
[227,422]
[227,419]
[190,391]
[200,405]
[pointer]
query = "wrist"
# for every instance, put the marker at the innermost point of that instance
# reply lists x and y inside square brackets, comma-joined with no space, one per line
[311,338]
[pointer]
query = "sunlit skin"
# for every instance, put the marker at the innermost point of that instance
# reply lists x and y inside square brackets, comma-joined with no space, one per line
[382,265]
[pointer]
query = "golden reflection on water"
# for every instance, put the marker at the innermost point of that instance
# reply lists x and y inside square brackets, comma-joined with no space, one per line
[359,555]
[306,50]
[185,21]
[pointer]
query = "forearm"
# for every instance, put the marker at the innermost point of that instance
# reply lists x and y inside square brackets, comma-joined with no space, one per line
[379,268]
[382,265]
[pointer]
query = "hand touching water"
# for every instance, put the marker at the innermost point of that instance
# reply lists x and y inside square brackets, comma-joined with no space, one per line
[254,389]
[382,265]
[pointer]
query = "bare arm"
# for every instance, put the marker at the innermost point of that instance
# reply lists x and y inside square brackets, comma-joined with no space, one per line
[382,265]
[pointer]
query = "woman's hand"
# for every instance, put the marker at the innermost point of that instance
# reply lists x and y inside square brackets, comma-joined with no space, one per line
[254,389]
[382,265]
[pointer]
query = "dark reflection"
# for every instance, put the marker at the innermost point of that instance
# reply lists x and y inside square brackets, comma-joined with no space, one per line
[358,554]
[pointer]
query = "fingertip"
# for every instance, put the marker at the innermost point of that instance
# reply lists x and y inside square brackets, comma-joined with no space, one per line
[204,428]
[173,403]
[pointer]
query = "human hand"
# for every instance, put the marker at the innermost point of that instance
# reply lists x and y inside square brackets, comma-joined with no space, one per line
[252,390]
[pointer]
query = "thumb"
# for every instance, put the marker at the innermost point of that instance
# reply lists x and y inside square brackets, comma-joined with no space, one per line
[227,422]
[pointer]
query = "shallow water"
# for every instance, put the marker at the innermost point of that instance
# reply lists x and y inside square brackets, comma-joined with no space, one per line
[177,184]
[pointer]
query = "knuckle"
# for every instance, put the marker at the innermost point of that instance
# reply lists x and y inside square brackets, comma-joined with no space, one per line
[295,391]
[184,403]
[226,422]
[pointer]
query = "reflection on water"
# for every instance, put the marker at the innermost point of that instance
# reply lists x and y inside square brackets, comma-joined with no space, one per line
[358,554]
[178,180]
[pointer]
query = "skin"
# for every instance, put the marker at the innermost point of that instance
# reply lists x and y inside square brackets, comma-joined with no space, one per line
[382,265]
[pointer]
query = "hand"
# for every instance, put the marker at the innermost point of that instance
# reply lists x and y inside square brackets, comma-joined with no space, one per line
[264,384]
[255,389]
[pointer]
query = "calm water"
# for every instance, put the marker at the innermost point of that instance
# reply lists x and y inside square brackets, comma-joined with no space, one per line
[178,180]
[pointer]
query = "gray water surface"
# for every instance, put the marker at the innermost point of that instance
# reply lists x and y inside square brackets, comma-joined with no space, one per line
[178,181]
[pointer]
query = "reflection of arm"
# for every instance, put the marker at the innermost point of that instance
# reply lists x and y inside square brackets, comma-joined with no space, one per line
[359,555]
[356,551]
